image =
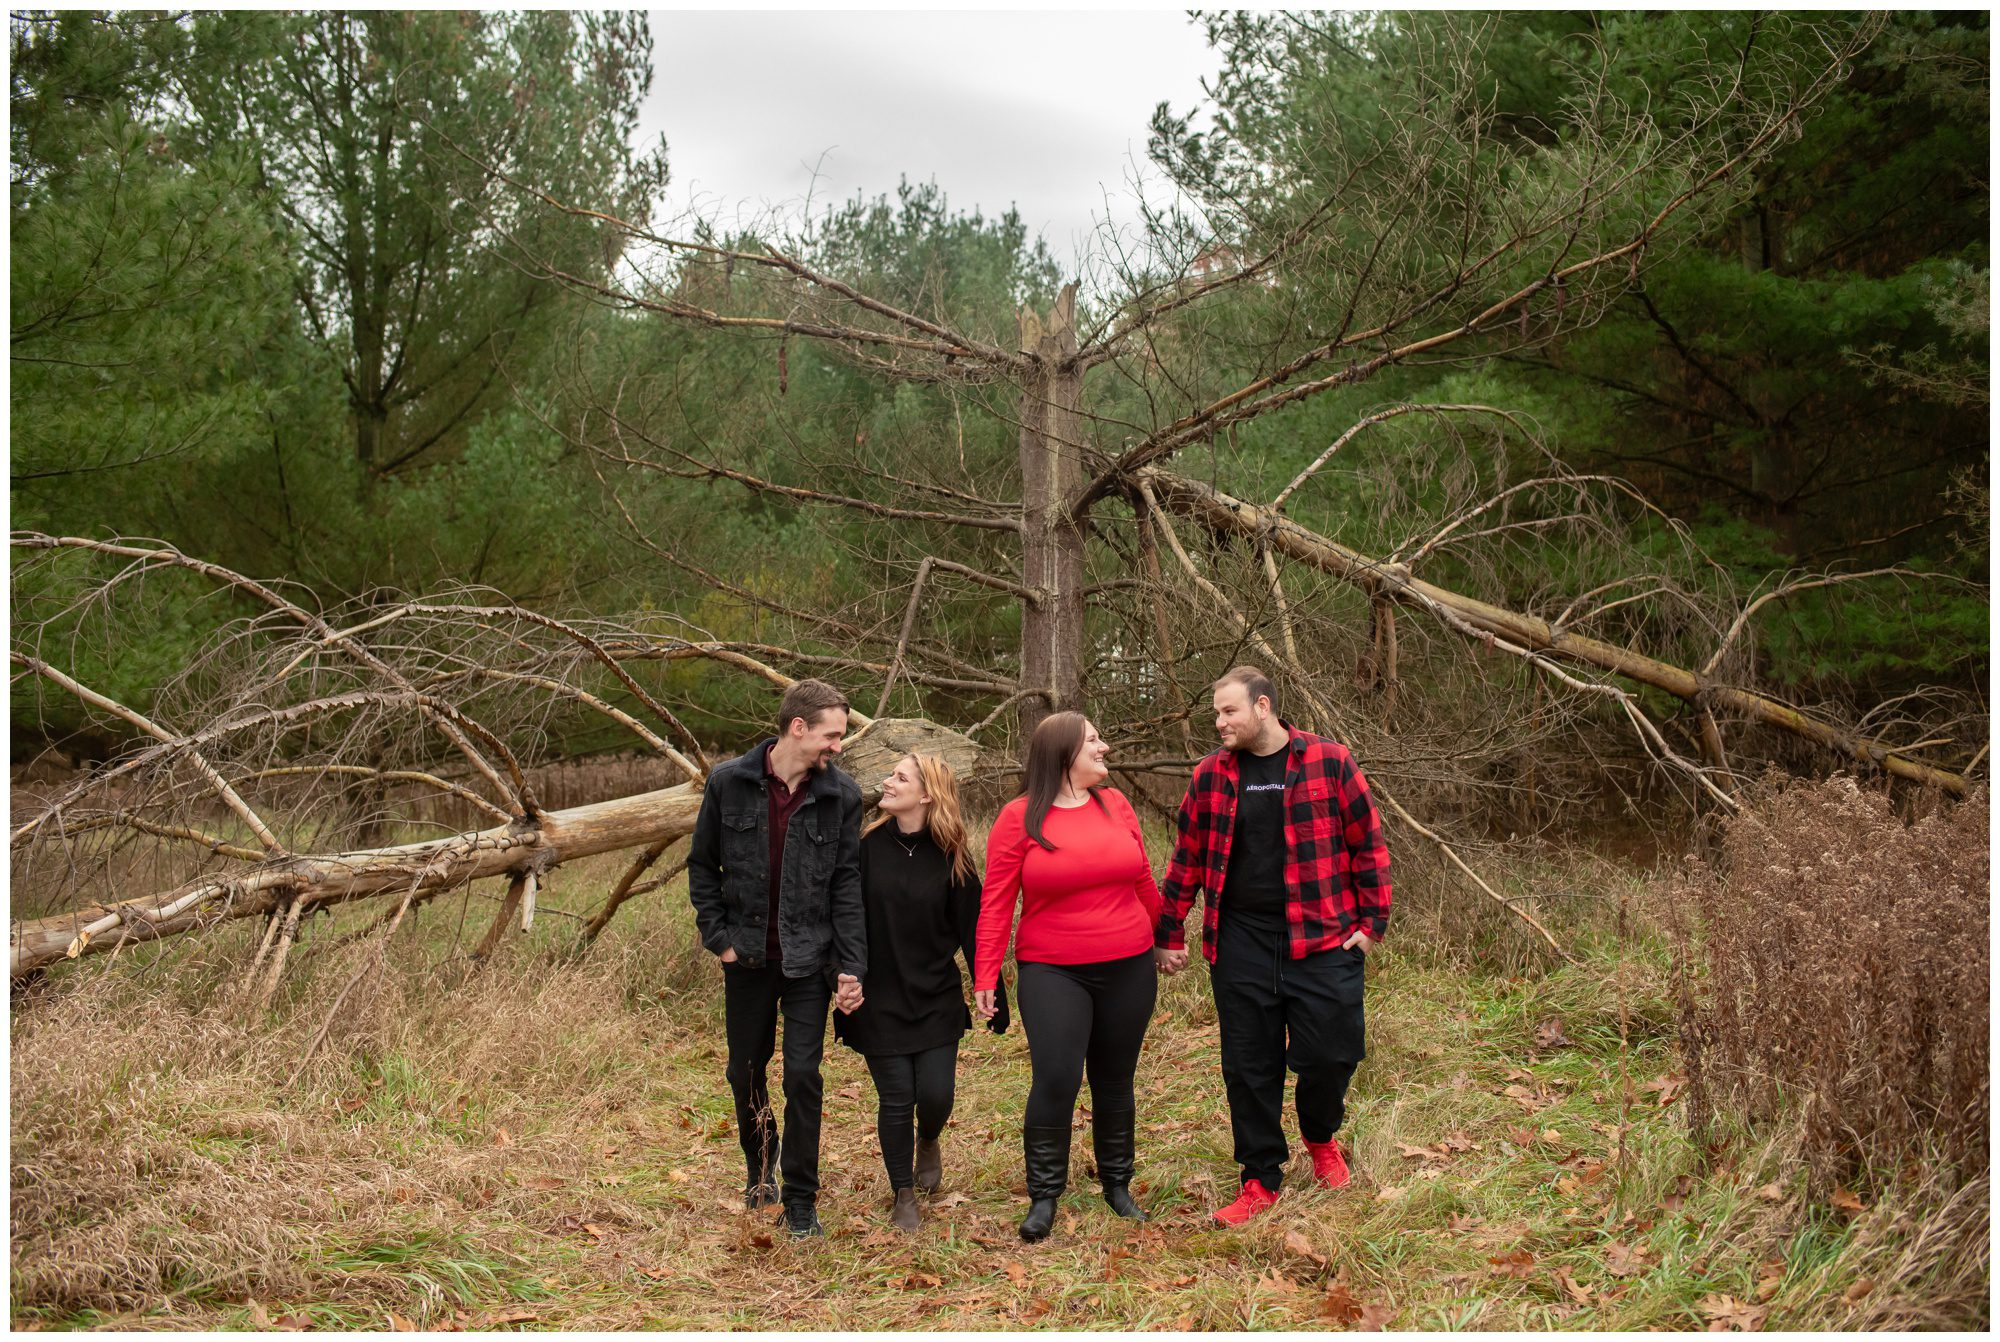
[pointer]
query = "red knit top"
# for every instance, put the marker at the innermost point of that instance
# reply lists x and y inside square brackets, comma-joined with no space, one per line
[1091,899]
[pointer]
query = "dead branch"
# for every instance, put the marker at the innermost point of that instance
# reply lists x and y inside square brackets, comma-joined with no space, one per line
[1805,585]
[272,848]
[167,555]
[903,639]
[1229,515]
[1270,392]
[627,888]
[1381,416]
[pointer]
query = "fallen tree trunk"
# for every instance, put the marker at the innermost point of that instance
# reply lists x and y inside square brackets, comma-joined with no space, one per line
[1223,513]
[639,821]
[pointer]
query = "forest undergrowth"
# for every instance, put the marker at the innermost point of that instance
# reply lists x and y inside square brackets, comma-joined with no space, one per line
[548,1143]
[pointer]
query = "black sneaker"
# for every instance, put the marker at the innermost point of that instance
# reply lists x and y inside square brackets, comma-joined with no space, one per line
[760,1195]
[801,1220]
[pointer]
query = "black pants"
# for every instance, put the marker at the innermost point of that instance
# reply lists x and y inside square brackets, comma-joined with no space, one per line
[1276,1012]
[1084,1018]
[913,1098]
[752,1000]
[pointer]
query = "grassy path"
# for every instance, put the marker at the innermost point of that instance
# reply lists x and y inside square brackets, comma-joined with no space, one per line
[562,1155]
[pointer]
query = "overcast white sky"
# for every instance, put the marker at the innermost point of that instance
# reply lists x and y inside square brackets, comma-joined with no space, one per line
[1046,111]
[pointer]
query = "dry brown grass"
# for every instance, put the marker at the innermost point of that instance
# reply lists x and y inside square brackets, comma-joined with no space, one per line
[549,1143]
[1835,969]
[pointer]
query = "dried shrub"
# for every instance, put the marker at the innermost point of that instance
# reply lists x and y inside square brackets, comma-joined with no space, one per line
[1832,966]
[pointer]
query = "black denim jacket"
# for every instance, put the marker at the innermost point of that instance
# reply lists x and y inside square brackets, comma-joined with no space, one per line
[821,923]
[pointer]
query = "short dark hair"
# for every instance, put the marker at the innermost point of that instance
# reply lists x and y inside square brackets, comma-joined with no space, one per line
[1254,682]
[807,699]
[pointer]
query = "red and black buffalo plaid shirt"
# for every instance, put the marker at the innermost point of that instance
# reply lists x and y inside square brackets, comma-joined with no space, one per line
[1336,864]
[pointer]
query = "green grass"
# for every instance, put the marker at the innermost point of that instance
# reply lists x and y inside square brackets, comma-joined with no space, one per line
[551,1146]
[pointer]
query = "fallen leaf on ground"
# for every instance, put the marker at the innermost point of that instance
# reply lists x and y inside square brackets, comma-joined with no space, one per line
[501,1137]
[1338,1305]
[1302,1246]
[1667,1087]
[1846,1200]
[1015,1272]
[1572,1289]
[1772,1192]
[1459,1141]
[398,1323]
[1390,1194]
[950,1200]
[511,1316]
[1278,1281]
[259,1316]
[1622,1260]
[1374,1318]
[921,1281]
[1409,1152]
[543,1183]
[1549,1034]
[1519,1264]
[1725,1313]
[1857,1290]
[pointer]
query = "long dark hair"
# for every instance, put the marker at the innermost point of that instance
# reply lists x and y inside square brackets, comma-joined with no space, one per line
[1054,744]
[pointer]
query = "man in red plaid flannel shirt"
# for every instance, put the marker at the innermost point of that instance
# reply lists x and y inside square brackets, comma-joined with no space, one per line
[1279,830]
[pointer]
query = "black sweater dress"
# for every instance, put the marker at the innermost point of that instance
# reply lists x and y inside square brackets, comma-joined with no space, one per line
[919,922]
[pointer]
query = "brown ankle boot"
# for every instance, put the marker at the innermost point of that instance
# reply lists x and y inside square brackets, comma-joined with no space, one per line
[903,1215]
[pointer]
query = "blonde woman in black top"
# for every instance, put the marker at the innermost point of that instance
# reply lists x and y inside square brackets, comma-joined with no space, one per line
[920,892]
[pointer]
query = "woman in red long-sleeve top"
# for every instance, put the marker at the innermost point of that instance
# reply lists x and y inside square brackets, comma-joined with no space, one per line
[1069,853]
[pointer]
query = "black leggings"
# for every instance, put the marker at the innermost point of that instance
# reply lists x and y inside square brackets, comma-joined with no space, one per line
[911,1083]
[1084,1018]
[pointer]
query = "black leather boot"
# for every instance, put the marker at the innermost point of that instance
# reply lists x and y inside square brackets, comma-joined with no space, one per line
[1111,1138]
[1047,1153]
[930,1166]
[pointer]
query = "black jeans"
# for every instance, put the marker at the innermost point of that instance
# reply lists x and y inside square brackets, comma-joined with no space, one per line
[752,1001]
[1084,1018]
[922,1085]
[1276,1012]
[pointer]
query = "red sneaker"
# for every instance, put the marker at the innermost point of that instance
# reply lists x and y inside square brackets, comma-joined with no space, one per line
[1253,1199]
[1329,1163]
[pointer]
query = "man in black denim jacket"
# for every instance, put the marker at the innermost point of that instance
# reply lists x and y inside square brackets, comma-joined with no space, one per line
[774,874]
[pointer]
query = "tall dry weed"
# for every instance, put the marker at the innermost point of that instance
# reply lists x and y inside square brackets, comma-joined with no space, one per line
[1832,968]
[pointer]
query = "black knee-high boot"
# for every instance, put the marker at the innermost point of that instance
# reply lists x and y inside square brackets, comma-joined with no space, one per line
[1111,1137]
[1047,1155]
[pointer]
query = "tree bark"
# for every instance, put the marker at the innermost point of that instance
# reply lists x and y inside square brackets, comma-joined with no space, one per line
[1052,628]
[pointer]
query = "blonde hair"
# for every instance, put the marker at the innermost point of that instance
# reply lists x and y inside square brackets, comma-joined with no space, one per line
[944,815]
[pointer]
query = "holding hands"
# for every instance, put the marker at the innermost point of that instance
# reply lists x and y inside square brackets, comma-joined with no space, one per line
[847,996]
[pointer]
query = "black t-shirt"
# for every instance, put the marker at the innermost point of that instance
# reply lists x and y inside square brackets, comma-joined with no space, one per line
[1253,888]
